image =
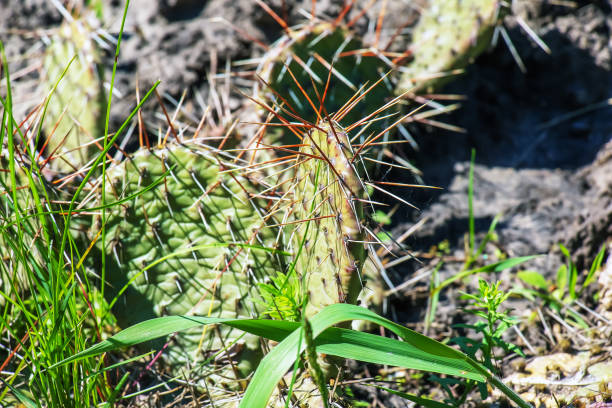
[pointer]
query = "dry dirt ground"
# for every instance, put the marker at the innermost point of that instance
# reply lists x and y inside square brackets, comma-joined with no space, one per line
[542,137]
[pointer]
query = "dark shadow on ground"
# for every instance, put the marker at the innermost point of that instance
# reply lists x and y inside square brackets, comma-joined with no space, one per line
[506,109]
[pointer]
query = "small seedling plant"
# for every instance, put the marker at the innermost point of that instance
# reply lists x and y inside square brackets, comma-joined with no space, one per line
[485,337]
[493,322]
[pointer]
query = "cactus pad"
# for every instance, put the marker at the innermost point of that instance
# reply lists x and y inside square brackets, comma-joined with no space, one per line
[329,238]
[73,117]
[449,35]
[196,243]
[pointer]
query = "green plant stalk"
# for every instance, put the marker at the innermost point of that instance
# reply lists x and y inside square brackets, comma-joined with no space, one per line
[313,364]
[434,296]
[471,210]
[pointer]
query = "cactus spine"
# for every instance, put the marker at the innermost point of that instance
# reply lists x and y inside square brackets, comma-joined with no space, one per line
[308,54]
[324,63]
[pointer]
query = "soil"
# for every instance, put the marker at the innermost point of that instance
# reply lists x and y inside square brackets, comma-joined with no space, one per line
[542,138]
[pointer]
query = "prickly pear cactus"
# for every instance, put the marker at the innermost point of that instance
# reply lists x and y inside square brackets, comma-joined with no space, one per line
[74,113]
[448,36]
[196,243]
[329,239]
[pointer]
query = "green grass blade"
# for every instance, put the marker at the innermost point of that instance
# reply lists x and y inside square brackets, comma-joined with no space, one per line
[27,402]
[113,397]
[434,297]
[140,333]
[488,236]
[594,268]
[376,349]
[535,279]
[345,343]
[471,204]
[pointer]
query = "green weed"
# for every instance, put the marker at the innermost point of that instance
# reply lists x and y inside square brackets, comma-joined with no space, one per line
[560,294]
[487,337]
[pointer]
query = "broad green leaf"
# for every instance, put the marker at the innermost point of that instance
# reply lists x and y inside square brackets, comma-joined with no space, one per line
[565,252]
[140,333]
[276,363]
[534,278]
[562,279]
[419,355]
[383,350]
[416,351]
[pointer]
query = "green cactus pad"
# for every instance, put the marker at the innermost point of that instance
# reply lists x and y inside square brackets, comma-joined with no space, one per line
[197,243]
[329,237]
[448,36]
[73,117]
